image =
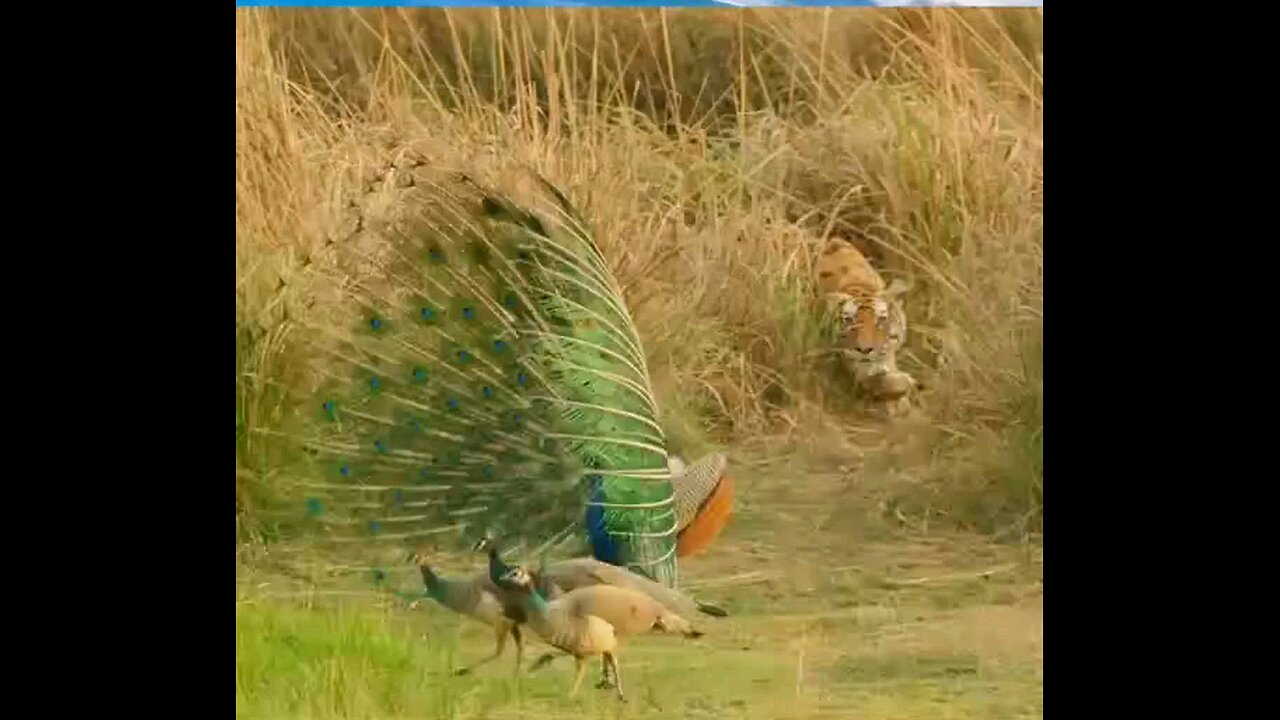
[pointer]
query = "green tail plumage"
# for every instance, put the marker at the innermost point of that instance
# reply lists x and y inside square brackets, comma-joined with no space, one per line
[482,374]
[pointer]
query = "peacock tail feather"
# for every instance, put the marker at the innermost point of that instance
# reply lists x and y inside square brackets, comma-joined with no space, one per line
[482,374]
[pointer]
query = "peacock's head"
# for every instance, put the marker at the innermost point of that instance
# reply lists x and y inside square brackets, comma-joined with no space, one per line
[517,577]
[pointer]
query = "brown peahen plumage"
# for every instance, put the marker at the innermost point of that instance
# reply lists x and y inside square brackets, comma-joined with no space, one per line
[478,598]
[592,621]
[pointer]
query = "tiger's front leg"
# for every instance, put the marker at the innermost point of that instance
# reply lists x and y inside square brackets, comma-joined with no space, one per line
[889,392]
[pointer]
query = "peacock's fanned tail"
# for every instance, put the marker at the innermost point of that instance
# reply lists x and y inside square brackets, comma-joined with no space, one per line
[482,374]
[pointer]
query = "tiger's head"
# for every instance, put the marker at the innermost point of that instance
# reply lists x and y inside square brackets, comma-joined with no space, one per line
[871,328]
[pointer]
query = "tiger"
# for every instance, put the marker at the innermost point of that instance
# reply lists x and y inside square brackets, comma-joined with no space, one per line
[872,323]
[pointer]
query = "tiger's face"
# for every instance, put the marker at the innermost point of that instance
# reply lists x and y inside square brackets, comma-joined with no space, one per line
[871,329]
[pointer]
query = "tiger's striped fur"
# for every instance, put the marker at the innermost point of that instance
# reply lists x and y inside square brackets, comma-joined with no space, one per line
[872,322]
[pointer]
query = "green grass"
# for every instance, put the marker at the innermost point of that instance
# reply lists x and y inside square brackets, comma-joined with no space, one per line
[351,662]
[832,614]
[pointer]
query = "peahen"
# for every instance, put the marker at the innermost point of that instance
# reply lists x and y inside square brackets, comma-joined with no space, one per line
[476,597]
[570,574]
[482,373]
[592,621]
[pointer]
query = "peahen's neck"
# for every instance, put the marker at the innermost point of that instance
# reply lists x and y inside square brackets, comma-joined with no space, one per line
[536,603]
[435,585]
[497,568]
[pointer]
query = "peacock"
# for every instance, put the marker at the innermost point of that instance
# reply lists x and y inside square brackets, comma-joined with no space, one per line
[480,373]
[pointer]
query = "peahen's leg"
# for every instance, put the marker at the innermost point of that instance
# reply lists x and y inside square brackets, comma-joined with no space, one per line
[537,664]
[501,639]
[604,674]
[612,661]
[581,673]
[515,633]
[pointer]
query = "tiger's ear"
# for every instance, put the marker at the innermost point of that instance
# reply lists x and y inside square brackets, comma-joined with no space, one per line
[897,287]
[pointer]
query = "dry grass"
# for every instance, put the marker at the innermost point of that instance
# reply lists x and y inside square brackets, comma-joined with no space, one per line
[713,150]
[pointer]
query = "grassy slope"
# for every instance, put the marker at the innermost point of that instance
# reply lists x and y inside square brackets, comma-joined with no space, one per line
[712,150]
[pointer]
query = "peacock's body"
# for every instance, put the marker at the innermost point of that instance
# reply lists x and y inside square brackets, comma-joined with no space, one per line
[482,374]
